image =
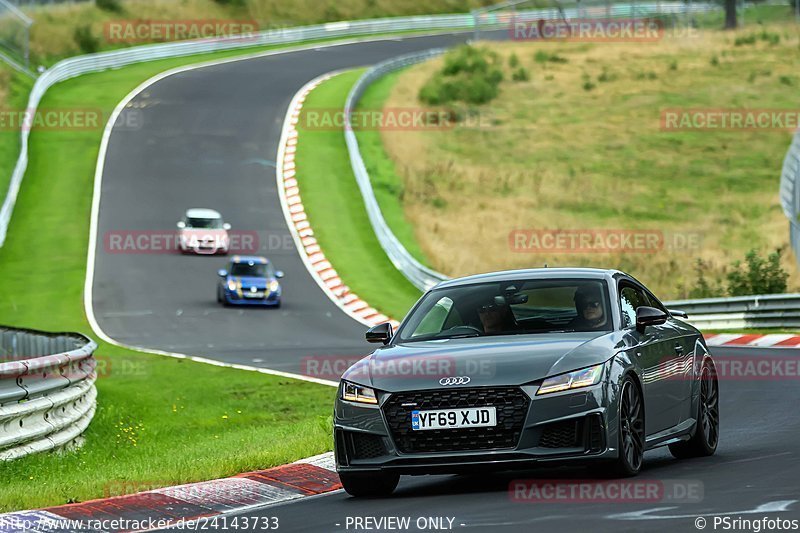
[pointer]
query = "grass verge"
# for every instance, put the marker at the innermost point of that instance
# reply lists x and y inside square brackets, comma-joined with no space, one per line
[14,90]
[156,423]
[579,147]
[336,210]
[387,185]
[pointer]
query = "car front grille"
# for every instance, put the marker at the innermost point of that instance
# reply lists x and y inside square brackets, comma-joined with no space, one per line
[561,435]
[512,408]
[367,446]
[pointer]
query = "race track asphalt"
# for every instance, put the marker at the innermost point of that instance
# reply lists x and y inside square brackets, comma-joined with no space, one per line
[209,138]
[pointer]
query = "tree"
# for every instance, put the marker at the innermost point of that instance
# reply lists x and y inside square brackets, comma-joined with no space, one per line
[730,15]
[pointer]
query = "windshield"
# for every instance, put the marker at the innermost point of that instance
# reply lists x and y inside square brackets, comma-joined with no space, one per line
[204,223]
[252,269]
[510,308]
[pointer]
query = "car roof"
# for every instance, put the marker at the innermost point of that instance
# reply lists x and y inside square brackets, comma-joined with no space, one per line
[200,212]
[532,273]
[249,258]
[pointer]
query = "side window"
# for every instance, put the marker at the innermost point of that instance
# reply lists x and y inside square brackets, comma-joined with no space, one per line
[653,302]
[433,321]
[630,299]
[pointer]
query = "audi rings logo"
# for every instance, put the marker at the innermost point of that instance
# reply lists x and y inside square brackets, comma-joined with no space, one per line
[460,380]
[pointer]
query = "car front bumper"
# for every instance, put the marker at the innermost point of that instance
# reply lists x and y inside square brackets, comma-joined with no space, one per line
[560,428]
[271,299]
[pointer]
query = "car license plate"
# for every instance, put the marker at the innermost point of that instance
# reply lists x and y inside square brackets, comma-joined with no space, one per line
[471,417]
[253,294]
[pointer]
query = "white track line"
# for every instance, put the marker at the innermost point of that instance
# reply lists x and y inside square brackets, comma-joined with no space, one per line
[98,181]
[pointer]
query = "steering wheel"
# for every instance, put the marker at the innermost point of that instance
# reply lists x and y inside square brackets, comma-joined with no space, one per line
[460,329]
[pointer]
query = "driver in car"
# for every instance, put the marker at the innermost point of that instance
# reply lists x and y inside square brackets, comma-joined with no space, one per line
[589,305]
[496,316]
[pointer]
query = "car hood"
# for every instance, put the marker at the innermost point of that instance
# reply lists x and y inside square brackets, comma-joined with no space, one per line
[250,281]
[492,361]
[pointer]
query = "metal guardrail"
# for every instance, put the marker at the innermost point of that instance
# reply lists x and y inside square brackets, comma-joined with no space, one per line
[47,392]
[739,312]
[418,274]
[76,66]
[790,193]
[771,311]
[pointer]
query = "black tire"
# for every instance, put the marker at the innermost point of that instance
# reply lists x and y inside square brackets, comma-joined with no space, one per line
[706,432]
[630,433]
[221,297]
[369,485]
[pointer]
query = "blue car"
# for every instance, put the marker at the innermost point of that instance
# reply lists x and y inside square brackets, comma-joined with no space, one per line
[249,280]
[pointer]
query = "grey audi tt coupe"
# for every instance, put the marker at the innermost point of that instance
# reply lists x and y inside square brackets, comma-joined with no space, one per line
[513,369]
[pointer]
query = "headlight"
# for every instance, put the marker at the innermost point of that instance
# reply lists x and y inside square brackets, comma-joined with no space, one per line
[358,393]
[571,380]
[274,286]
[231,285]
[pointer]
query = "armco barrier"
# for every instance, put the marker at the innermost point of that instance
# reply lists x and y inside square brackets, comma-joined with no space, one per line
[418,274]
[790,193]
[47,392]
[76,66]
[739,312]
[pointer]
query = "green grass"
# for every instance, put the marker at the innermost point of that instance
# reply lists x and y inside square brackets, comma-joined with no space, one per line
[713,190]
[336,213]
[181,432]
[386,183]
[17,87]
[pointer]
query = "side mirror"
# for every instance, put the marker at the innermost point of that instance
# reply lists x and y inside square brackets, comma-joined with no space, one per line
[222,273]
[279,274]
[381,333]
[678,313]
[649,316]
[181,225]
[226,226]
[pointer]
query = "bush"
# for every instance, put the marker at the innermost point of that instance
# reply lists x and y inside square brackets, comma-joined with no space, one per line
[85,39]
[745,39]
[702,287]
[470,75]
[513,61]
[757,275]
[521,74]
[543,57]
[112,6]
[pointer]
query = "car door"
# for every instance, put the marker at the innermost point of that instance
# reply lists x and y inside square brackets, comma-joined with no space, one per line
[655,358]
[683,341]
